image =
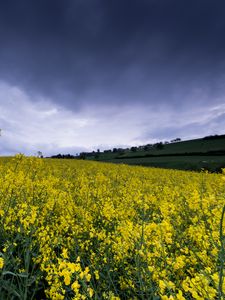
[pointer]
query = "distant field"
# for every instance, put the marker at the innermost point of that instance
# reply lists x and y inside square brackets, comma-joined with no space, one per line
[198,145]
[187,155]
[5,159]
[195,163]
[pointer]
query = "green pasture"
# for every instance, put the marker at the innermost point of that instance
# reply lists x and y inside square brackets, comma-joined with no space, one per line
[195,155]
[195,163]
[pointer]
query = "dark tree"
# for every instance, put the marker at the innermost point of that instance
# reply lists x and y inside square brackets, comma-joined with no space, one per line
[133,149]
[83,155]
[159,146]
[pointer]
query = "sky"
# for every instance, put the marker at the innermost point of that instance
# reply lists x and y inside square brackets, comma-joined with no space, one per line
[82,75]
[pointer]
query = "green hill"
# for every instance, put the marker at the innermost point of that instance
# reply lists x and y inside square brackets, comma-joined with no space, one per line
[207,153]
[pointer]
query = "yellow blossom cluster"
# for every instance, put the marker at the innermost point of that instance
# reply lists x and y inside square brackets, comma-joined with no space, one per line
[72,229]
[1,262]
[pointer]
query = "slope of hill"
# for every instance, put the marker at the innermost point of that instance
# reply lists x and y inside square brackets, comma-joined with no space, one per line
[207,153]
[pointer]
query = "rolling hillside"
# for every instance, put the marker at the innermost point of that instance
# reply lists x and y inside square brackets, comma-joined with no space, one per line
[207,153]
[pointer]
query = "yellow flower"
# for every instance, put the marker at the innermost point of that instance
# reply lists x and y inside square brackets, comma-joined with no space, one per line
[96,274]
[167,297]
[75,286]
[64,253]
[162,286]
[91,292]
[1,262]
[179,295]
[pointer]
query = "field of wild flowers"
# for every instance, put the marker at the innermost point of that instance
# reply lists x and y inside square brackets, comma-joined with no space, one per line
[87,230]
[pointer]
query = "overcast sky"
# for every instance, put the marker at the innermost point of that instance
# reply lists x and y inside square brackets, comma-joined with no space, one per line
[85,74]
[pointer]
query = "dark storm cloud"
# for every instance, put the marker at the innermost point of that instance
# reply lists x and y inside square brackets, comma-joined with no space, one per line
[117,51]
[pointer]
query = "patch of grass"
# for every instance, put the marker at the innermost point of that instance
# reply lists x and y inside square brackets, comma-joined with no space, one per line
[195,163]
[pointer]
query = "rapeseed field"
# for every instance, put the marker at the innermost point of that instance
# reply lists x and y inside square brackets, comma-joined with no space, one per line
[87,230]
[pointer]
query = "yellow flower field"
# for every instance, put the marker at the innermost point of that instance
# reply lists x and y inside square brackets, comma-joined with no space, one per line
[74,229]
